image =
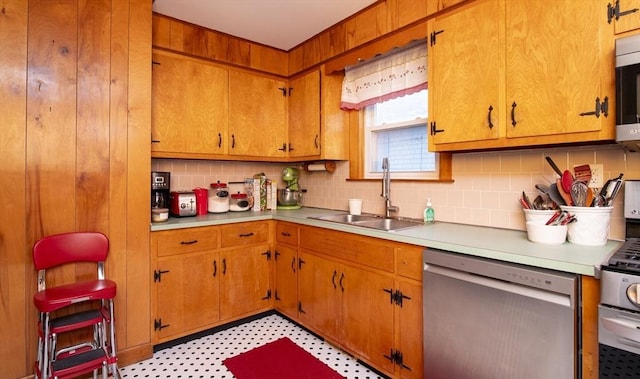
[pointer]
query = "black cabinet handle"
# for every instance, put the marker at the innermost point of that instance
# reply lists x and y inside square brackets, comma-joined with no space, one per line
[390,292]
[245,235]
[489,117]
[290,148]
[215,268]
[293,264]
[188,242]
[513,113]
[341,279]
[333,279]
[233,141]
[224,266]
[315,142]
[219,140]
[613,11]
[284,147]
[285,234]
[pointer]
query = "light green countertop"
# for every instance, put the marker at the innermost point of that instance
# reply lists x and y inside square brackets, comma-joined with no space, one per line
[495,243]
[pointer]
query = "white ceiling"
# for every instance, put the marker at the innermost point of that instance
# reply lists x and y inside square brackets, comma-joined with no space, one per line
[282,24]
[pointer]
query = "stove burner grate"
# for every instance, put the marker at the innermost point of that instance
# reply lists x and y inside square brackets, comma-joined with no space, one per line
[628,256]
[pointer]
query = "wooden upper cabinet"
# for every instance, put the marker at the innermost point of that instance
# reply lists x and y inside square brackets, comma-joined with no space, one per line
[553,67]
[257,115]
[434,6]
[464,66]
[536,75]
[304,115]
[189,112]
[628,15]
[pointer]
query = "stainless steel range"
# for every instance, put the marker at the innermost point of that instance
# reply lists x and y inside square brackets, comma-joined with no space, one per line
[619,309]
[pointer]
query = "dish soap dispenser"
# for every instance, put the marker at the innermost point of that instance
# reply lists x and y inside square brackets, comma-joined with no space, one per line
[429,213]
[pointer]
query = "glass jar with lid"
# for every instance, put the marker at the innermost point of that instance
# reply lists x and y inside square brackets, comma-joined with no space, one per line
[218,198]
[239,202]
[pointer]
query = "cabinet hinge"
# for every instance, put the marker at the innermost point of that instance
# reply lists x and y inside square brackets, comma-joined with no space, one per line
[398,298]
[267,254]
[601,107]
[396,357]
[157,275]
[268,295]
[157,324]
[613,11]
[432,37]
[433,129]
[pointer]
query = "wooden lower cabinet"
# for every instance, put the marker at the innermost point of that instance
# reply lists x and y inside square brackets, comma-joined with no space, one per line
[244,285]
[369,311]
[202,278]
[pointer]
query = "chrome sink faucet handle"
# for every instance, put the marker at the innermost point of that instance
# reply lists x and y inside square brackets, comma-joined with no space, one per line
[386,189]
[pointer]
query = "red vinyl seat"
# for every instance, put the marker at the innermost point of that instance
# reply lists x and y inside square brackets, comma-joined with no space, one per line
[87,355]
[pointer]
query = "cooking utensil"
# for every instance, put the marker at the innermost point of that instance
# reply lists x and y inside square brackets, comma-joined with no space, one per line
[539,203]
[583,173]
[579,193]
[589,200]
[614,192]
[567,181]
[565,195]
[549,202]
[554,194]
[527,201]
[553,165]
[598,201]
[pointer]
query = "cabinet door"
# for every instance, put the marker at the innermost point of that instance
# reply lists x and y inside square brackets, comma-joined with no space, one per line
[304,115]
[366,307]
[257,115]
[189,106]
[320,304]
[626,21]
[553,66]
[286,287]
[464,65]
[187,292]
[244,284]
[409,336]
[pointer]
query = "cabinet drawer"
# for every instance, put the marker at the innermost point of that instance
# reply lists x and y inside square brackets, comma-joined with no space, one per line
[287,233]
[185,240]
[364,250]
[409,262]
[244,233]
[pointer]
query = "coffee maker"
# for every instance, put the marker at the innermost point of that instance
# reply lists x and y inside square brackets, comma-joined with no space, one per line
[160,188]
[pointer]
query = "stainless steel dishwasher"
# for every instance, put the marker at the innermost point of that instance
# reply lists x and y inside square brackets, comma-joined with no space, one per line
[485,319]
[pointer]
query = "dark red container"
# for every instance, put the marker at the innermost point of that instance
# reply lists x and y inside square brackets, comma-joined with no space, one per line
[201,200]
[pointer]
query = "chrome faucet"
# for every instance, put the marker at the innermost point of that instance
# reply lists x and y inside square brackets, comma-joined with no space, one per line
[386,189]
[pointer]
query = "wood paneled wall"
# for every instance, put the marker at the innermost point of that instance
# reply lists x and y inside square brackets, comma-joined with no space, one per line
[75,102]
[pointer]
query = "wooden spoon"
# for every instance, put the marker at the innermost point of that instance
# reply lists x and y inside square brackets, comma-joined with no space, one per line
[564,194]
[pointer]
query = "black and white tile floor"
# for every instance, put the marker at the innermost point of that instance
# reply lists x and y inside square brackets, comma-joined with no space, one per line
[202,358]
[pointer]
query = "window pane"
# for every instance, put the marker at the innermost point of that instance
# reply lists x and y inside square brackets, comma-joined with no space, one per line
[406,149]
[403,108]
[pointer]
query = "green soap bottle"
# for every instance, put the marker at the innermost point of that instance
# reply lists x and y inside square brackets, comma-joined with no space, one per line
[429,213]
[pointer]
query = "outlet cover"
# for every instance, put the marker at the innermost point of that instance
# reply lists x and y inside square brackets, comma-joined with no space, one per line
[597,176]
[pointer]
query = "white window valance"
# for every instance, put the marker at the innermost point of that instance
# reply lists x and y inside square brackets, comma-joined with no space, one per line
[386,77]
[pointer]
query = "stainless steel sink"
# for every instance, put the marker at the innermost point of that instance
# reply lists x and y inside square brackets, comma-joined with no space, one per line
[370,221]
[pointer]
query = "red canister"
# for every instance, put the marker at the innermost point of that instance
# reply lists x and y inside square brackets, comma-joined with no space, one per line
[201,200]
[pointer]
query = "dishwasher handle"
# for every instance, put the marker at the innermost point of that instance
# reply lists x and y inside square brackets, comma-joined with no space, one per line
[547,296]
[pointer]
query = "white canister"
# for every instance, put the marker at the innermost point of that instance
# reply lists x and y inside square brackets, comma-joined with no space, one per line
[218,198]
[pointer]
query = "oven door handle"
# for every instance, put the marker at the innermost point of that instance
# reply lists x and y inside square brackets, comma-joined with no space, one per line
[531,292]
[625,328]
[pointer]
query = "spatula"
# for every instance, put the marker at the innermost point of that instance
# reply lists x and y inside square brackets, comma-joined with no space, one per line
[567,181]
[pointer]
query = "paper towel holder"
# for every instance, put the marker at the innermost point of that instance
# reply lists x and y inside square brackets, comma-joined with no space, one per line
[329,166]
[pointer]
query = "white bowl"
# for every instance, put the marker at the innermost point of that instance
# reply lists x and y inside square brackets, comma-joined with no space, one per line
[538,232]
[537,215]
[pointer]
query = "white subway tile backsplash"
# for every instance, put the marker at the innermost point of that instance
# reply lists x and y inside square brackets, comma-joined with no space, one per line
[485,190]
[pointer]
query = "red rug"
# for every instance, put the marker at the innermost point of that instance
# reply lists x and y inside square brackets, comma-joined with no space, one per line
[280,359]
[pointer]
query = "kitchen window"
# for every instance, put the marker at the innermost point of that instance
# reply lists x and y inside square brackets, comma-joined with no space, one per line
[397,129]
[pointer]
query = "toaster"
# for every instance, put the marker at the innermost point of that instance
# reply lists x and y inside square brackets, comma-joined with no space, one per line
[183,203]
